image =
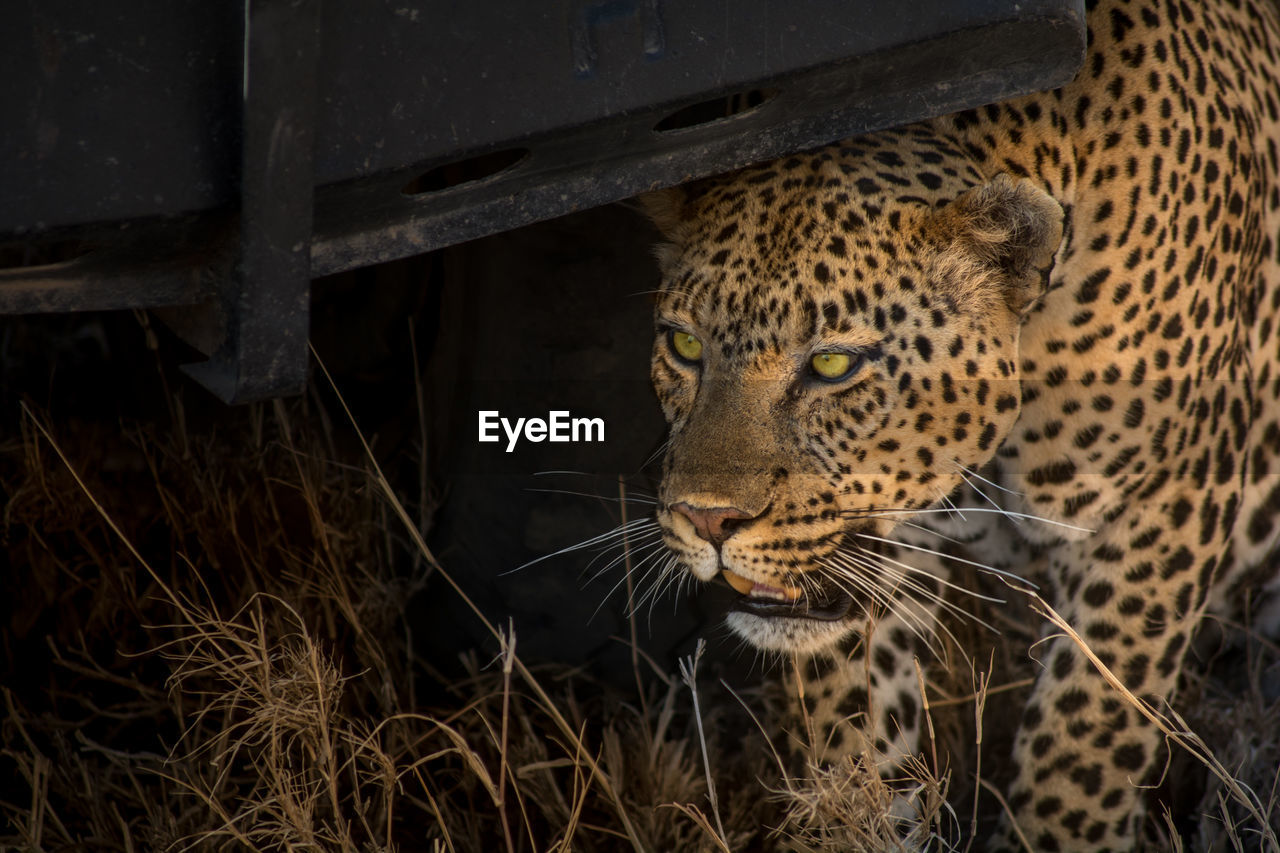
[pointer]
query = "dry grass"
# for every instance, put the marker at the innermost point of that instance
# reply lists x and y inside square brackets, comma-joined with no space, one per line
[229,667]
[213,652]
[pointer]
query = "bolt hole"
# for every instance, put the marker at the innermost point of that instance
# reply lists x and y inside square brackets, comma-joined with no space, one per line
[713,110]
[468,171]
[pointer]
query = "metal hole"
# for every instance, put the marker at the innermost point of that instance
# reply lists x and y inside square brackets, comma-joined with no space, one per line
[468,171]
[714,110]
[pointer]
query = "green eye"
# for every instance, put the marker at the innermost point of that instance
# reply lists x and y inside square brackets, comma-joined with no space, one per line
[831,366]
[686,346]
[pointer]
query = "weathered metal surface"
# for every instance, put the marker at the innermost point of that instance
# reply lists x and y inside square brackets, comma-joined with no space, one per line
[366,132]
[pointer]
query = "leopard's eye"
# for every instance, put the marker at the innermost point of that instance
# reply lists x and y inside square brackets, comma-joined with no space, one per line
[686,345]
[832,366]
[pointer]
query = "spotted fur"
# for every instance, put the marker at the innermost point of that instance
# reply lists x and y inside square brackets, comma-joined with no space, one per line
[1063,308]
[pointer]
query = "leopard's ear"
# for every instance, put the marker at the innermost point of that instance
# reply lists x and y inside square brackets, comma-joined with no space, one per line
[672,211]
[667,209]
[1003,235]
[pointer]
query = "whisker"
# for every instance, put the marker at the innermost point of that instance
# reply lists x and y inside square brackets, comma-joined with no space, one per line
[913,591]
[809,586]
[952,507]
[972,473]
[569,472]
[653,591]
[664,561]
[900,582]
[901,572]
[621,531]
[931,532]
[919,571]
[631,498]
[635,549]
[645,541]
[871,513]
[668,576]
[988,499]
[950,606]
[662,448]
[864,583]
[852,570]
[654,555]
[942,554]
[679,577]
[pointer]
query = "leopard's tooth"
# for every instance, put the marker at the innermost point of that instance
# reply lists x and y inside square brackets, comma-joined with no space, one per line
[738,582]
[761,590]
[782,593]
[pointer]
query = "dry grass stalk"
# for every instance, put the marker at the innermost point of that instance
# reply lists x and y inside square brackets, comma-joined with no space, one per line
[420,544]
[1008,812]
[689,673]
[276,743]
[980,694]
[851,804]
[848,805]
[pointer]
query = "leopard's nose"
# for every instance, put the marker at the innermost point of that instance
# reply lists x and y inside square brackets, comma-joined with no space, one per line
[714,524]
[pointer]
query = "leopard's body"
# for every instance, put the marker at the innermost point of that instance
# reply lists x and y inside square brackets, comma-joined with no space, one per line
[1064,306]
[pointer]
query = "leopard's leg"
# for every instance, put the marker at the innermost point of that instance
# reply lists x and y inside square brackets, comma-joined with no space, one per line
[1133,592]
[862,698]
[866,692]
[1252,593]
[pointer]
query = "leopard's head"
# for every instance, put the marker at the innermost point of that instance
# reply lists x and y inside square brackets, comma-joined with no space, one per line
[837,343]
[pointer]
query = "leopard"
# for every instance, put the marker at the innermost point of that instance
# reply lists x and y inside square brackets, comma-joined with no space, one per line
[1038,336]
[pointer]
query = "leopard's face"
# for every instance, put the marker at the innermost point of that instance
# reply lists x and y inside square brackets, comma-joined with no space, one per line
[829,377]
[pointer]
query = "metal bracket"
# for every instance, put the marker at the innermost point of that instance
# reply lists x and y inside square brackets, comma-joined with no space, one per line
[266,299]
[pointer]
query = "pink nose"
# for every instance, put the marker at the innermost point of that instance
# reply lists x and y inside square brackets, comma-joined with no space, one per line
[715,524]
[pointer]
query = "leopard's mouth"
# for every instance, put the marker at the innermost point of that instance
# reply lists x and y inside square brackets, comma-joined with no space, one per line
[788,602]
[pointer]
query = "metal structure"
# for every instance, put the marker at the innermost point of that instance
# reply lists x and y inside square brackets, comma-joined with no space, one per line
[213,159]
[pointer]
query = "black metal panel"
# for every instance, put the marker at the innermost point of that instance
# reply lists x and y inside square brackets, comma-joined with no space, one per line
[913,78]
[131,109]
[122,115]
[117,110]
[415,80]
